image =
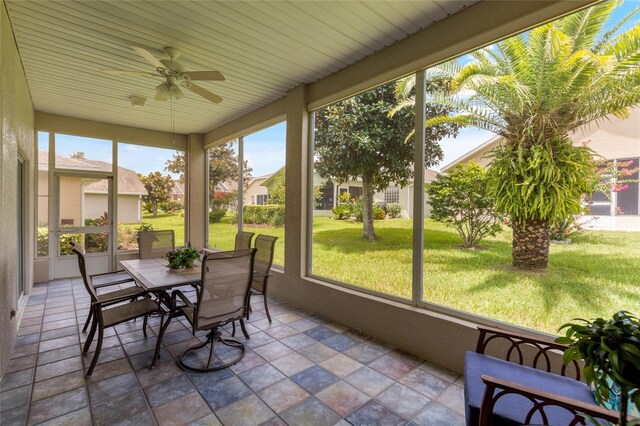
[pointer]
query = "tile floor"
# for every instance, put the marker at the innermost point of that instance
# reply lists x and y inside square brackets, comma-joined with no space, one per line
[299,370]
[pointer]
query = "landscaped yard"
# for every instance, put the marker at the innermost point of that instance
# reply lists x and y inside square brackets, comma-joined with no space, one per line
[595,275]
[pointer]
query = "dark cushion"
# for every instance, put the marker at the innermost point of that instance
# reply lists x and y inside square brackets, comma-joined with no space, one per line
[512,409]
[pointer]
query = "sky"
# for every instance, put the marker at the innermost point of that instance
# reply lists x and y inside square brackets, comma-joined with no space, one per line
[265,150]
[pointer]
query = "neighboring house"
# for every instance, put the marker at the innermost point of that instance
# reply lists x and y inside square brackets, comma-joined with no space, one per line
[177,191]
[330,194]
[87,198]
[614,139]
[256,193]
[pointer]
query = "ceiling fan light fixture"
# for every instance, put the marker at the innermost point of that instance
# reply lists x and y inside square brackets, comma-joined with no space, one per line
[163,93]
[175,92]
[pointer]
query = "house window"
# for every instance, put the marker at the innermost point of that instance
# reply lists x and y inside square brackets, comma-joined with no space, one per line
[627,198]
[326,200]
[262,199]
[622,199]
[392,195]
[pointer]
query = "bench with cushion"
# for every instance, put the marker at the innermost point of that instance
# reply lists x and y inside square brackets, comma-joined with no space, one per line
[507,392]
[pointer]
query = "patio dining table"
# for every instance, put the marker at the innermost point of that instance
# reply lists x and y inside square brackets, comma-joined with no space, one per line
[154,276]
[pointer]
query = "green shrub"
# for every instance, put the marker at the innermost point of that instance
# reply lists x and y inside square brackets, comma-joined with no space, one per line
[128,237]
[379,214]
[216,215]
[65,243]
[268,214]
[170,206]
[147,206]
[96,243]
[356,209]
[382,205]
[394,210]
[43,241]
[463,200]
[350,209]
[341,212]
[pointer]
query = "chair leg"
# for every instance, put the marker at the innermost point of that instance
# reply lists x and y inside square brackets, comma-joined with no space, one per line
[86,324]
[244,329]
[266,307]
[163,328]
[233,329]
[94,361]
[92,332]
[144,326]
[213,337]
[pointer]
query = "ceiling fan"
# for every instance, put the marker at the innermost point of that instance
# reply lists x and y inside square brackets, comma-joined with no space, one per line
[175,76]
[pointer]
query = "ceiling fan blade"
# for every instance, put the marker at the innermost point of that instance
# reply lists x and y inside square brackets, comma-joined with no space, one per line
[203,92]
[148,57]
[132,73]
[205,75]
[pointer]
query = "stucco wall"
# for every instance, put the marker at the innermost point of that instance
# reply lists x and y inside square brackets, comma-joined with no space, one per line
[17,137]
[613,138]
[254,189]
[71,193]
[129,210]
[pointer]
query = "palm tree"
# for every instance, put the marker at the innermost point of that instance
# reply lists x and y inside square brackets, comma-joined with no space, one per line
[534,89]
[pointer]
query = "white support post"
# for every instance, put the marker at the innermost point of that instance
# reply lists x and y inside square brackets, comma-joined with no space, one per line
[418,188]
[112,208]
[240,205]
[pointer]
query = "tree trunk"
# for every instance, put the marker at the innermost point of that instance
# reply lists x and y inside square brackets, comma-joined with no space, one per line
[367,211]
[530,248]
[624,406]
[154,209]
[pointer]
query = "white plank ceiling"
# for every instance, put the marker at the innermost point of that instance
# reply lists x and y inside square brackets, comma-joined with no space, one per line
[264,49]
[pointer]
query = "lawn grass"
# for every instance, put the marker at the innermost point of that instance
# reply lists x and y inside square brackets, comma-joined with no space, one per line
[596,275]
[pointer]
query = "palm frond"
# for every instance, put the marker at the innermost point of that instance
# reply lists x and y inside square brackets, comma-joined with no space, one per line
[606,38]
[584,26]
[463,120]
[405,103]
[404,86]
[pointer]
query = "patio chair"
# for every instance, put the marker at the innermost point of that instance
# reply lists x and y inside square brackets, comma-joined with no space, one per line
[108,279]
[153,244]
[505,391]
[243,240]
[264,245]
[222,298]
[113,308]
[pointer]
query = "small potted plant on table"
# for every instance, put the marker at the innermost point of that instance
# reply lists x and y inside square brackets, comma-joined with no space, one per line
[610,350]
[182,257]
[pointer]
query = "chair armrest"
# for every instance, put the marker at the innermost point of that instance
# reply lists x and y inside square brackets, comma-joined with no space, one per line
[540,400]
[110,283]
[115,299]
[514,341]
[177,293]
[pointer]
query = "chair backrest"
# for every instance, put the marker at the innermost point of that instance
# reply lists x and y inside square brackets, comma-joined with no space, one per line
[224,293]
[83,271]
[152,244]
[265,245]
[243,240]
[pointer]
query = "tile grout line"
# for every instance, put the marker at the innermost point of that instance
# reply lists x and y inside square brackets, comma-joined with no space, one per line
[35,367]
[82,358]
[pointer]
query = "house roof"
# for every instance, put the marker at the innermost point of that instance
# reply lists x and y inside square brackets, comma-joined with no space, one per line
[128,181]
[264,49]
[177,188]
[483,147]
[269,178]
[620,133]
